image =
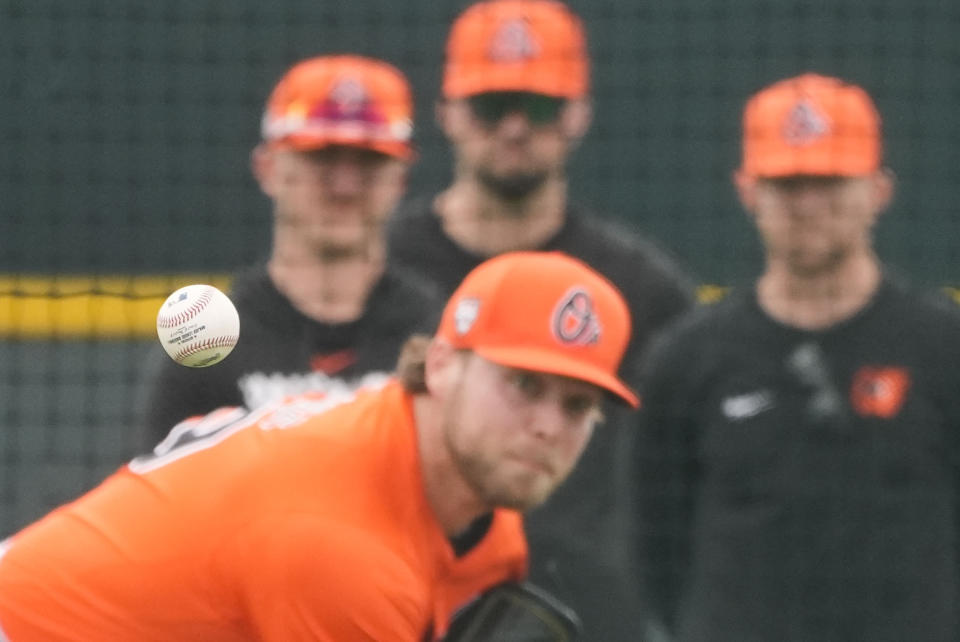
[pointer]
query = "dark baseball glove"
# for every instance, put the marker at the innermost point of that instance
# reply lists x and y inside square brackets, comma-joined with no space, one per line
[514,612]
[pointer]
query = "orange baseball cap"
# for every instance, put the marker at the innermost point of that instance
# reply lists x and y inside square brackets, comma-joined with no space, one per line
[536,46]
[542,311]
[341,100]
[811,124]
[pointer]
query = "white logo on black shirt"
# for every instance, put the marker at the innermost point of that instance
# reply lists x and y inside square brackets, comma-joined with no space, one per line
[259,388]
[747,405]
[809,364]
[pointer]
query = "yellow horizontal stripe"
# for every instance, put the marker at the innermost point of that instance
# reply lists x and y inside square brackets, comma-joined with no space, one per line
[84,307]
[125,307]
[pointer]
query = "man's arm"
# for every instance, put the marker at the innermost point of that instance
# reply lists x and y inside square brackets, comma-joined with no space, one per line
[666,473]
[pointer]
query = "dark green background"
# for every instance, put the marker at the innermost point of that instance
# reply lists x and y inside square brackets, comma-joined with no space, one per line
[125,129]
[126,124]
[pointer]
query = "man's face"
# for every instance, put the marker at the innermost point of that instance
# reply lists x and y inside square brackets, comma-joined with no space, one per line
[512,142]
[513,434]
[334,198]
[812,224]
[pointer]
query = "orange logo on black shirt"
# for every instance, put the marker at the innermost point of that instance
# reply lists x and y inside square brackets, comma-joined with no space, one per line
[879,392]
[333,362]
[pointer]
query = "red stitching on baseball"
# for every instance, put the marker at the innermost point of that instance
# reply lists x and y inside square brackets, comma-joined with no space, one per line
[212,342]
[189,313]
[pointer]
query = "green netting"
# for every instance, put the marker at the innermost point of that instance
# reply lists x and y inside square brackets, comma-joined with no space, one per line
[126,127]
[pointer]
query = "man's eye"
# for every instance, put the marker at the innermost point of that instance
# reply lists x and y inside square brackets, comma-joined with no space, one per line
[579,405]
[530,385]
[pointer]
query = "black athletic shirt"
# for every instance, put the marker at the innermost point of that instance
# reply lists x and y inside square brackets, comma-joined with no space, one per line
[800,485]
[283,352]
[580,540]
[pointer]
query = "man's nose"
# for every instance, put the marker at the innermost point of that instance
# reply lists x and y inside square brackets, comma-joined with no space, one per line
[547,419]
[515,123]
[808,199]
[345,178]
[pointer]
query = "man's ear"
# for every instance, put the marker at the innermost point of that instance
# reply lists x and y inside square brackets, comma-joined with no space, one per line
[262,163]
[441,115]
[885,186]
[576,118]
[441,366]
[746,190]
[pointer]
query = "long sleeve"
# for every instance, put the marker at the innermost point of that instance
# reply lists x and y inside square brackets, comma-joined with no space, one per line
[666,474]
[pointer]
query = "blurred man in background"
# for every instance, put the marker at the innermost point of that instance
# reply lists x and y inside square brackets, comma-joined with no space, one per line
[800,448]
[324,311]
[515,105]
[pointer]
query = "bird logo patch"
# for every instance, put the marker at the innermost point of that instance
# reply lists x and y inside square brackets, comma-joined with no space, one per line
[805,124]
[349,97]
[513,42]
[574,320]
[879,391]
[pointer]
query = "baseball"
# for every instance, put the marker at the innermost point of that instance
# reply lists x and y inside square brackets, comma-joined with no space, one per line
[198,326]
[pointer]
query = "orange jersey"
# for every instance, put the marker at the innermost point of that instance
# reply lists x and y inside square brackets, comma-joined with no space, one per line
[303,521]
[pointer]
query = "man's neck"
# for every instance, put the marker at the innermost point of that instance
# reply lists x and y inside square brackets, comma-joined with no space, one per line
[484,224]
[453,501]
[327,289]
[815,302]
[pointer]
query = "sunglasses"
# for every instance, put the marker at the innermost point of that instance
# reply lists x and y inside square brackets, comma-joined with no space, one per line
[492,107]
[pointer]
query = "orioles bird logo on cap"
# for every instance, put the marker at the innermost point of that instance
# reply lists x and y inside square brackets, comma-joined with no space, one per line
[574,320]
[513,42]
[804,124]
[349,96]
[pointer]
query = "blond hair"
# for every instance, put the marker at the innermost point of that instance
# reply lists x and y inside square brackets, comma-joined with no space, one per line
[411,364]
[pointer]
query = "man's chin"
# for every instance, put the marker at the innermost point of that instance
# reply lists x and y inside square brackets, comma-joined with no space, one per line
[523,494]
[810,266]
[331,251]
[513,187]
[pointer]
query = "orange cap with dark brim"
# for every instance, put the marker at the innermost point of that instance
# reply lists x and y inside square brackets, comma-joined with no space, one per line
[546,312]
[811,125]
[341,100]
[535,46]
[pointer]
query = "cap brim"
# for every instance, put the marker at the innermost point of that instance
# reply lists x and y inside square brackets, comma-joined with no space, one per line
[493,80]
[778,167]
[401,150]
[550,362]
[827,158]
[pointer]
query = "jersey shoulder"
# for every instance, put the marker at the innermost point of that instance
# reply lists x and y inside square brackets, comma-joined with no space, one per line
[412,224]
[262,307]
[613,241]
[730,319]
[938,307]
[405,300]
[298,431]
[924,321]
[364,422]
[652,280]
